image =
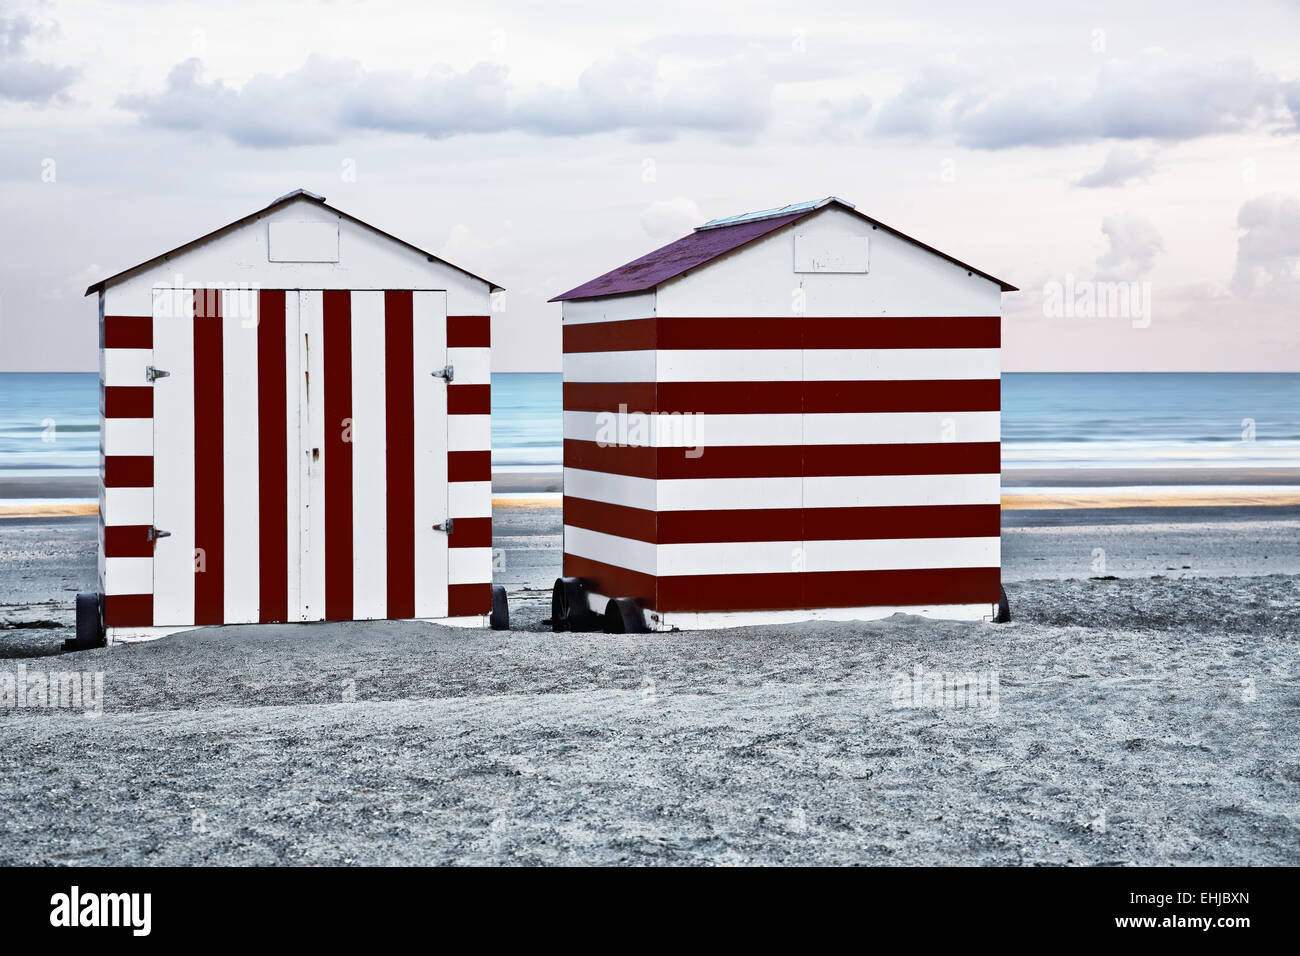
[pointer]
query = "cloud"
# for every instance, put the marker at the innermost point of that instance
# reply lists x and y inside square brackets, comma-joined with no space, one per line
[1269,248]
[328,97]
[670,218]
[1123,163]
[1134,243]
[23,79]
[1150,98]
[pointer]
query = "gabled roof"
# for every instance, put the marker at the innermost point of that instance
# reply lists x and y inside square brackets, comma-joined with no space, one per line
[720,236]
[286,198]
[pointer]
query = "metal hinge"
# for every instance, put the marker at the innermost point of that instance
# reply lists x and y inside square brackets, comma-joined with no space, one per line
[153,374]
[444,373]
[448,526]
[156,533]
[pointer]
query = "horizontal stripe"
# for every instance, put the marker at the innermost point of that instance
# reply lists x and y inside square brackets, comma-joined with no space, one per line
[471,533]
[124,401]
[128,471]
[128,436]
[706,431]
[470,499]
[126,366]
[469,400]
[781,557]
[469,433]
[775,398]
[128,505]
[469,466]
[469,565]
[787,332]
[467,599]
[128,575]
[781,365]
[470,366]
[611,580]
[778,524]
[127,541]
[128,610]
[895,588]
[764,461]
[128,331]
[469,331]
[838,491]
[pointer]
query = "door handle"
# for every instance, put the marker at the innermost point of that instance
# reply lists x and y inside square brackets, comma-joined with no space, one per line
[448,526]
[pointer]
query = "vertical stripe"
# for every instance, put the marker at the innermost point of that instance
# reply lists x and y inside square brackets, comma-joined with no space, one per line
[311,514]
[241,444]
[429,346]
[399,401]
[272,458]
[209,453]
[337,403]
[369,498]
[169,505]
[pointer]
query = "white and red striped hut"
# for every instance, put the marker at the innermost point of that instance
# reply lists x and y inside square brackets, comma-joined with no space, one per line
[294,426]
[786,415]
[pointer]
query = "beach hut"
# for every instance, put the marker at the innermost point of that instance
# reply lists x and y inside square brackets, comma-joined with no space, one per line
[786,415]
[294,426]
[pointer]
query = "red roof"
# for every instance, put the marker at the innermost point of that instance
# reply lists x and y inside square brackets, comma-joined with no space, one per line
[708,243]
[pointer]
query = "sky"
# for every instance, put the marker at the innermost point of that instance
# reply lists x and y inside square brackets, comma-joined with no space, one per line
[1063,147]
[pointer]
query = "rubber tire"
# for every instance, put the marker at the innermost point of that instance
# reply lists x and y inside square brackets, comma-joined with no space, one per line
[500,617]
[90,623]
[623,616]
[1004,608]
[569,608]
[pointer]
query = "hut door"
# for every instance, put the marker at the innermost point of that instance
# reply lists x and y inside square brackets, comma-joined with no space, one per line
[300,455]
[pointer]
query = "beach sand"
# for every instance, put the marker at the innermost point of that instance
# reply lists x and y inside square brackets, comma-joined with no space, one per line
[1145,714]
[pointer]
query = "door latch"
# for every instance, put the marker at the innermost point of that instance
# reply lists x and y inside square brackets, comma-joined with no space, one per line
[445,374]
[156,533]
[153,374]
[448,526]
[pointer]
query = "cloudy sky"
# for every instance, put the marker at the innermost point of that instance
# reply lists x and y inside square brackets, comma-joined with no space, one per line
[1052,144]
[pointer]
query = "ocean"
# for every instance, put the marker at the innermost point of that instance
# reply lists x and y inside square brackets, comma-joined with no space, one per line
[49,421]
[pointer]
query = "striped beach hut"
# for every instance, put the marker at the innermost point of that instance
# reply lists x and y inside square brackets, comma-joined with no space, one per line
[786,415]
[294,426]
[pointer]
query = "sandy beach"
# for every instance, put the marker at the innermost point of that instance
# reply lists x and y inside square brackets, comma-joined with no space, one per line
[1144,713]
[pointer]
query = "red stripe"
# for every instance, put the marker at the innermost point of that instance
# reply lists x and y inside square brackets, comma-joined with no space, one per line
[127,541]
[128,610]
[784,461]
[469,466]
[469,400]
[128,401]
[399,415]
[128,331]
[466,599]
[760,332]
[128,471]
[471,533]
[209,460]
[786,398]
[784,524]
[337,370]
[815,589]
[469,331]
[272,459]
[612,581]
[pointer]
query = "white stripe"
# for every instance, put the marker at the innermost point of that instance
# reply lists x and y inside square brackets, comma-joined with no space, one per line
[470,365]
[611,488]
[240,457]
[469,499]
[863,491]
[128,436]
[618,308]
[127,366]
[312,526]
[173,349]
[128,576]
[707,494]
[469,432]
[128,506]
[675,430]
[610,549]
[369,459]
[781,365]
[469,566]
[429,314]
[296,449]
[709,620]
